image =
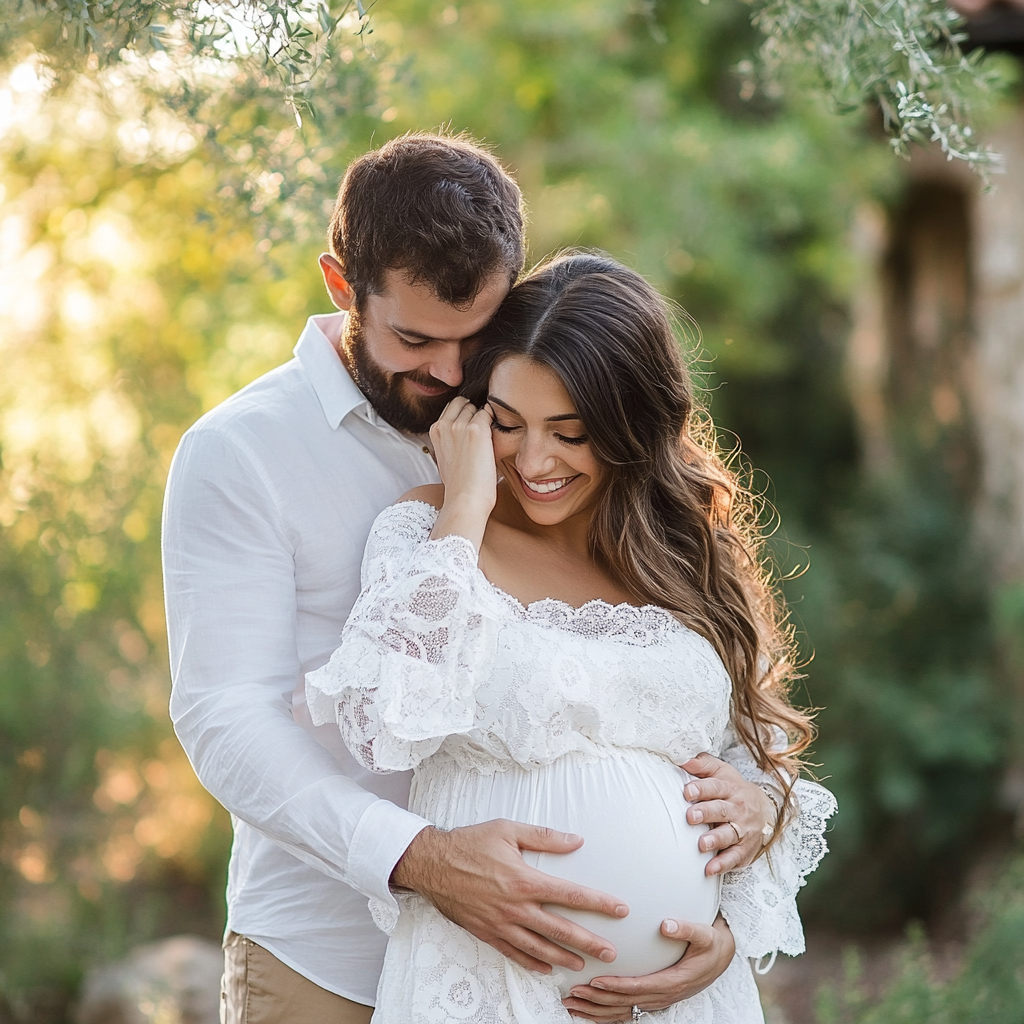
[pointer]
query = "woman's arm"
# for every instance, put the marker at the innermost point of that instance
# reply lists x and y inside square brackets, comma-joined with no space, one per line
[416,645]
[465,459]
[418,638]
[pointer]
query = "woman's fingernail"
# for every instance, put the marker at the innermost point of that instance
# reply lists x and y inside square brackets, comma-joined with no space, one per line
[670,927]
[622,910]
[698,816]
[571,837]
[705,843]
[691,792]
[713,869]
[597,984]
[607,955]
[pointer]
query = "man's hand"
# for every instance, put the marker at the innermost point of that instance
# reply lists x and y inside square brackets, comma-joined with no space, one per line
[477,878]
[709,953]
[721,794]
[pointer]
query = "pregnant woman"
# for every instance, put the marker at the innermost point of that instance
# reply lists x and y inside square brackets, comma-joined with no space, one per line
[579,609]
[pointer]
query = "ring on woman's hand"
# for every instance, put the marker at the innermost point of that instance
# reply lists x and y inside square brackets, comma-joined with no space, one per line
[637,1013]
[736,829]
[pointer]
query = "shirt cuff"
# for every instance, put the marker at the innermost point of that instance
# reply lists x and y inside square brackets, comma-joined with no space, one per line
[382,835]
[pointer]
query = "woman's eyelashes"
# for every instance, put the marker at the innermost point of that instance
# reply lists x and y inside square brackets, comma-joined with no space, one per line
[503,428]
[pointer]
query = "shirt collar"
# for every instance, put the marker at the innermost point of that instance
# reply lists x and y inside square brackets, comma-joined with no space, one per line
[316,352]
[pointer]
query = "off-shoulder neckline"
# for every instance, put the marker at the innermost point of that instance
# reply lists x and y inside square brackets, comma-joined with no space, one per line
[573,611]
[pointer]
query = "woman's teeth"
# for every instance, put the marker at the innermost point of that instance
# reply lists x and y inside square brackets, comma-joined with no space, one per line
[547,486]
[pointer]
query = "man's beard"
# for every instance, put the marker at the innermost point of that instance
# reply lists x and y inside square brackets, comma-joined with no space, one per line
[413,414]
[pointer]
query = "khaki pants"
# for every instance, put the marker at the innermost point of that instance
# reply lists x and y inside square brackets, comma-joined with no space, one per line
[258,989]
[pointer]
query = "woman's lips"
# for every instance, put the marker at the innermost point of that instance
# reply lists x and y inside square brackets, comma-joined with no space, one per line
[547,495]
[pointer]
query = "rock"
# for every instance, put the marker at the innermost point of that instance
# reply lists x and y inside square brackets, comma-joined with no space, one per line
[174,981]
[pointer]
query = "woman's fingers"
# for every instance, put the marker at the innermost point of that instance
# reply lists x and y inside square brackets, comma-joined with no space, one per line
[706,953]
[708,789]
[464,452]
[733,857]
[457,409]
[589,1011]
[466,413]
[721,796]
[454,409]
[720,838]
[596,997]
[712,810]
[705,765]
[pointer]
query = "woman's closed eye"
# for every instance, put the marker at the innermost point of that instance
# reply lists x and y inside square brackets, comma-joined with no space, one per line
[508,428]
[504,428]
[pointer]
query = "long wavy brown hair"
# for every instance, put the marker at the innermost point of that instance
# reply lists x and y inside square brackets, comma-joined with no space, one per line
[674,524]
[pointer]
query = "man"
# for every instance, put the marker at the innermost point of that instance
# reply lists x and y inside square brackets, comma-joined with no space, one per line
[270,498]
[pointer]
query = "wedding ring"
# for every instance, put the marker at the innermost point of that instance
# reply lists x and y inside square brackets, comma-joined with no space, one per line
[637,1013]
[739,835]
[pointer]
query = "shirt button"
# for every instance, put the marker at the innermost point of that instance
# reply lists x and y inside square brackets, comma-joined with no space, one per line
[426,449]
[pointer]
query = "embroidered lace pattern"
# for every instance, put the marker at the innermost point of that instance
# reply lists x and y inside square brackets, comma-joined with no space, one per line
[440,671]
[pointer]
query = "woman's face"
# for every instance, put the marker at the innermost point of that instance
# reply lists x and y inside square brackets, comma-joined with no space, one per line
[539,442]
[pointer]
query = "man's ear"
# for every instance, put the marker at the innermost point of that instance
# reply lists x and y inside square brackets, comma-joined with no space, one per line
[338,287]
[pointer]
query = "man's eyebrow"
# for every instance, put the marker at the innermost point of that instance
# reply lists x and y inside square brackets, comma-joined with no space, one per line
[547,419]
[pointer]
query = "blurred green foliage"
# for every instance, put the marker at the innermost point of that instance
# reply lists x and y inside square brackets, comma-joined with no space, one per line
[987,986]
[158,240]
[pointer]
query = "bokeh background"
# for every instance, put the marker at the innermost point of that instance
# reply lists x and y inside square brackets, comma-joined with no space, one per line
[861,336]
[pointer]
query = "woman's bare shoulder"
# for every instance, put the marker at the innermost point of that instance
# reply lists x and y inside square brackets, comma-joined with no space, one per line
[431,494]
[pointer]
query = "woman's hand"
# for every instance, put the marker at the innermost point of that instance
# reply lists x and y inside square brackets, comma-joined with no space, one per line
[709,953]
[720,794]
[465,459]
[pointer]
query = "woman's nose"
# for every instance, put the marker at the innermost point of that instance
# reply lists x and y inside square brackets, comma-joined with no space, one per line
[534,458]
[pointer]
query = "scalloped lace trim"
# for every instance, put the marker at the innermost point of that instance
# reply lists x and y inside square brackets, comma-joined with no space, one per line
[639,624]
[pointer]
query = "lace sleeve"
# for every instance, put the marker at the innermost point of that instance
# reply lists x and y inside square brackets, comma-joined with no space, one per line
[759,902]
[413,649]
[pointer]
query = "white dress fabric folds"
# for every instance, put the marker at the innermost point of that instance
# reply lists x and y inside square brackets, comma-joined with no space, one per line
[550,715]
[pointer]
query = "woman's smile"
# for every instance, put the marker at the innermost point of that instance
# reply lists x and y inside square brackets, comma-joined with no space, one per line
[547,490]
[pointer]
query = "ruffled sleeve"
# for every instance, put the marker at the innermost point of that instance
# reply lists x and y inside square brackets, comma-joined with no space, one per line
[419,640]
[759,901]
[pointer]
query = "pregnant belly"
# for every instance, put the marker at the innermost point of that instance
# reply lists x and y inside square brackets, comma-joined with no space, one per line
[630,809]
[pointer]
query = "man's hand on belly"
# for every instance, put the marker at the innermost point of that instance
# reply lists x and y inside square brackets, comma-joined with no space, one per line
[709,953]
[477,878]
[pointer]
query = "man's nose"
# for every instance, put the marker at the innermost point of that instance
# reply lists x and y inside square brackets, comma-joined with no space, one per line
[447,364]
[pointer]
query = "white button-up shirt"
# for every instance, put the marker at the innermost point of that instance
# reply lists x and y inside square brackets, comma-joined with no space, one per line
[269,502]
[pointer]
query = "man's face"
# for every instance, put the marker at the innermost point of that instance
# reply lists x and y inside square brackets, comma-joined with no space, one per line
[405,347]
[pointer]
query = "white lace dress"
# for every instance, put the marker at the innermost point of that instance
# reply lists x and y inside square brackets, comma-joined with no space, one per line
[550,715]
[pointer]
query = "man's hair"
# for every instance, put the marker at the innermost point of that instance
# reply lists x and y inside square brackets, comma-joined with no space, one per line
[440,208]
